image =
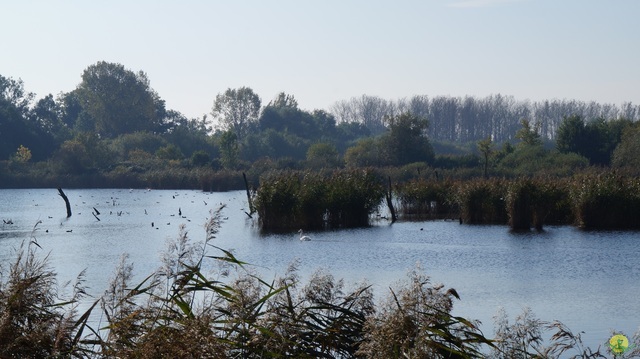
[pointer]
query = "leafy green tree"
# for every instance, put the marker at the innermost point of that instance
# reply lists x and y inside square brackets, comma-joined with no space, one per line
[290,120]
[529,160]
[323,155]
[123,145]
[529,134]
[604,137]
[598,142]
[627,153]
[237,110]
[487,148]
[595,140]
[190,135]
[46,113]
[367,152]
[73,157]
[169,152]
[72,112]
[273,144]
[407,141]
[229,150]
[325,123]
[13,106]
[348,133]
[12,93]
[571,135]
[200,158]
[284,100]
[17,125]
[119,101]
[101,154]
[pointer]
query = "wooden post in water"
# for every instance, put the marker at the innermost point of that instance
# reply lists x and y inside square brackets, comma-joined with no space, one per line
[246,185]
[390,203]
[66,201]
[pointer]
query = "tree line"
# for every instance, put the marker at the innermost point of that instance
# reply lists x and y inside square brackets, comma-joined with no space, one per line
[468,119]
[114,121]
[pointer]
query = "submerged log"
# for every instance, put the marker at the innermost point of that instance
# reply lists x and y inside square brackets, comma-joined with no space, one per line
[66,201]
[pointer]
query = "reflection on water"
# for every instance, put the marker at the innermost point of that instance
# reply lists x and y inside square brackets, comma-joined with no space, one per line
[589,280]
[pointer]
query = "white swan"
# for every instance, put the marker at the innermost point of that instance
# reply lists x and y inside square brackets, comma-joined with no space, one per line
[303,237]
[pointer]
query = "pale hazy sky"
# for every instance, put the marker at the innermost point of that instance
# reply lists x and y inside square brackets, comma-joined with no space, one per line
[328,50]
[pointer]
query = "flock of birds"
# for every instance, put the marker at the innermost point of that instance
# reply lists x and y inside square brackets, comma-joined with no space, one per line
[114,202]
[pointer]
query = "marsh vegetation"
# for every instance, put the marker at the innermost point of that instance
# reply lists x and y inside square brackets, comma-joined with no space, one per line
[226,311]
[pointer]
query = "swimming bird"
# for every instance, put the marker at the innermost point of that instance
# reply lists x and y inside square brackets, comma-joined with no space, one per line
[303,237]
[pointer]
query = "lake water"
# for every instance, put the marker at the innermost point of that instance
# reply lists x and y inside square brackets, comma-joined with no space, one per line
[588,280]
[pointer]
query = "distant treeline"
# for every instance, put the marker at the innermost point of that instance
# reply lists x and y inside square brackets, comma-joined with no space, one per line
[114,130]
[469,119]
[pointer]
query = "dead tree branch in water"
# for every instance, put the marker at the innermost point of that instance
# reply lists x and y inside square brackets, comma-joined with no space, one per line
[66,201]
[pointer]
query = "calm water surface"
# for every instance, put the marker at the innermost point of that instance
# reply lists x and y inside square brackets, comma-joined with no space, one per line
[588,280]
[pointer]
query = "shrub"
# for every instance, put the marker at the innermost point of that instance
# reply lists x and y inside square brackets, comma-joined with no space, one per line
[200,158]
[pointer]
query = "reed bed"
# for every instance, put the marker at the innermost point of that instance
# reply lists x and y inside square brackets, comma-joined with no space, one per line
[534,202]
[594,200]
[426,199]
[482,201]
[291,200]
[606,200]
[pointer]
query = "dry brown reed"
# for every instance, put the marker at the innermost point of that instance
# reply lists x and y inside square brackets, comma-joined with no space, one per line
[227,311]
[35,321]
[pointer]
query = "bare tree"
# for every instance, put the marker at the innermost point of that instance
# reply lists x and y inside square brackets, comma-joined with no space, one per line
[371,111]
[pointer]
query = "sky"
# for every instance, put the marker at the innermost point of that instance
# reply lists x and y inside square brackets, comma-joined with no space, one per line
[325,51]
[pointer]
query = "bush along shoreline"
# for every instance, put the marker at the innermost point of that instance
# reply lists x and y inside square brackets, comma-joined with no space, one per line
[184,311]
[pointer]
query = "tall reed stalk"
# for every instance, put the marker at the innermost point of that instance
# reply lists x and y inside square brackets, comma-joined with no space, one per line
[35,321]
